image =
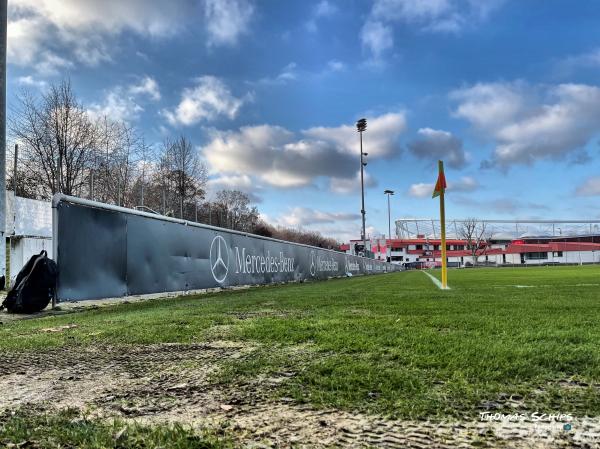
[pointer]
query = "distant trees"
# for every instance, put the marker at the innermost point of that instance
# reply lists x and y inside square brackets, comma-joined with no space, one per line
[57,138]
[180,177]
[312,238]
[476,235]
[235,207]
[63,148]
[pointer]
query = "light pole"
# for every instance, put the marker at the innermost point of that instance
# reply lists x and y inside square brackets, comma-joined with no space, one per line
[361,126]
[3,31]
[389,192]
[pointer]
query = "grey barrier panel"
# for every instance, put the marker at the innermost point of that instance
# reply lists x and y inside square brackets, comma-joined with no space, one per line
[93,242]
[107,251]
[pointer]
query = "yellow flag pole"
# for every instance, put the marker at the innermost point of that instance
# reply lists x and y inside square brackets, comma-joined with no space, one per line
[443,231]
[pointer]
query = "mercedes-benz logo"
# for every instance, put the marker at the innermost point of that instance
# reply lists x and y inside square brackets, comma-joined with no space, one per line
[219,259]
[313,264]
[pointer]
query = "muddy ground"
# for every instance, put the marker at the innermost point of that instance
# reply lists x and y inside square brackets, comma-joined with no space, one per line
[175,383]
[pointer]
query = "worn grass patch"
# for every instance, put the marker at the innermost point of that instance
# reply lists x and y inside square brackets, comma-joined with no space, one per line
[68,428]
[391,344]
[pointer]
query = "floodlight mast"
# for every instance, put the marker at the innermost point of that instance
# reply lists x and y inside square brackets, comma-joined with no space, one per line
[361,126]
[3,31]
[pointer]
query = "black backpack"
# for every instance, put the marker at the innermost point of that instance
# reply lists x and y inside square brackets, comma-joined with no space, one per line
[34,286]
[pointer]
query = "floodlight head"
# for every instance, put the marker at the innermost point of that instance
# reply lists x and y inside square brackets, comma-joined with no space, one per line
[365,154]
[388,192]
[361,125]
[364,164]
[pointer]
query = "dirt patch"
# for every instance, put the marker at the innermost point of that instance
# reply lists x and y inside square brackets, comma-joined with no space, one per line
[174,383]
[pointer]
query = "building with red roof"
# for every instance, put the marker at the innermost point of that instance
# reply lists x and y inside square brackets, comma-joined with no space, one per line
[426,252]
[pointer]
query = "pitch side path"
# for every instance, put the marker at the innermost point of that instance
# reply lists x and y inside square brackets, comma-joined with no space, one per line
[508,357]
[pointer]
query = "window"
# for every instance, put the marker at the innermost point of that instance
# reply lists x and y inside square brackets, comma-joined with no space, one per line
[536,256]
[398,258]
[557,254]
[419,246]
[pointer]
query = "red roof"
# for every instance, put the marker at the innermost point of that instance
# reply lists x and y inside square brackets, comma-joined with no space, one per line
[516,247]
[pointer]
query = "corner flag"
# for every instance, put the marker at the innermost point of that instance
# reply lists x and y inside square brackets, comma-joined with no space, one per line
[440,188]
[440,185]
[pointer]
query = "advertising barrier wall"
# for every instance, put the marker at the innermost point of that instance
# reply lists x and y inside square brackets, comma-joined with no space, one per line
[106,251]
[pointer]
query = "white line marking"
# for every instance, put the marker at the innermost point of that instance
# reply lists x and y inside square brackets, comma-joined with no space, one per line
[545,285]
[436,281]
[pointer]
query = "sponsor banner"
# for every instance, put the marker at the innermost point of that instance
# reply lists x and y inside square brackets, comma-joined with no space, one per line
[106,251]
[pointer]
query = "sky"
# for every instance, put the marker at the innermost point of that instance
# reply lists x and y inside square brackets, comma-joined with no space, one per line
[506,92]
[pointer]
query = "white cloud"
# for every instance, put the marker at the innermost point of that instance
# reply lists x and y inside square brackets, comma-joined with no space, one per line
[434,15]
[208,99]
[243,183]
[590,187]
[112,16]
[411,10]
[275,156]
[421,190]
[123,103]
[50,35]
[590,59]
[302,216]
[321,10]
[501,205]
[351,185]
[287,74]
[227,20]
[336,66]
[281,158]
[376,37]
[380,139]
[445,16]
[116,106]
[425,190]
[464,184]
[325,8]
[147,86]
[530,123]
[31,81]
[434,144]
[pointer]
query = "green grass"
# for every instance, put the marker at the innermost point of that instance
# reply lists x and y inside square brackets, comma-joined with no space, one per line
[68,429]
[391,344]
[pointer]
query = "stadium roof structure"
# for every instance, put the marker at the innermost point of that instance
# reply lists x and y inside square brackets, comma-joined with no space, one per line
[499,229]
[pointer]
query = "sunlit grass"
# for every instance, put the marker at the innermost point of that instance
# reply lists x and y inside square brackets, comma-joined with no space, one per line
[391,344]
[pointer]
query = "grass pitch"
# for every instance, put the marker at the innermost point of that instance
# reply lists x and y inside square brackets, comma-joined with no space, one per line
[392,345]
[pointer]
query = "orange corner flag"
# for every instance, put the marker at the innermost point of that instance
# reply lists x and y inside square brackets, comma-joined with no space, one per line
[440,185]
[440,188]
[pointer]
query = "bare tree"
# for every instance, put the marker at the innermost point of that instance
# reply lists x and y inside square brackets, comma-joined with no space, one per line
[476,235]
[57,139]
[237,211]
[181,176]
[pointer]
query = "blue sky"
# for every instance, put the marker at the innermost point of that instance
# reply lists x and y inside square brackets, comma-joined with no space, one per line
[506,92]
